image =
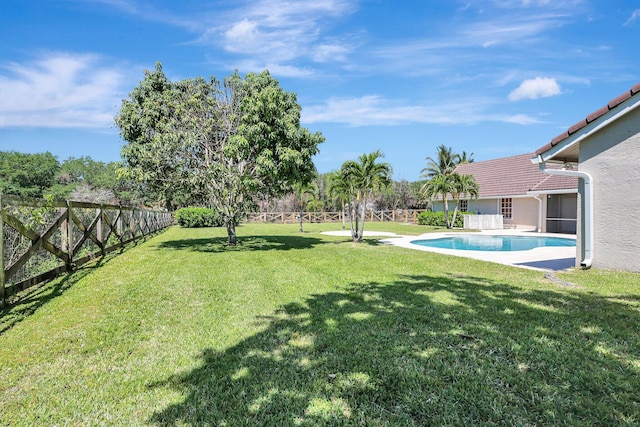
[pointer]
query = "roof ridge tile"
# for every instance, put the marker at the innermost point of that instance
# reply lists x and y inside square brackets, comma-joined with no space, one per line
[619,100]
[591,118]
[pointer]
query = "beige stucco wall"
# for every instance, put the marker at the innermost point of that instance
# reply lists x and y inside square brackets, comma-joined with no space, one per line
[612,157]
[525,213]
[485,206]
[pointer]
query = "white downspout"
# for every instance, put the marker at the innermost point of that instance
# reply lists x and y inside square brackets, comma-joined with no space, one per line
[588,207]
[537,197]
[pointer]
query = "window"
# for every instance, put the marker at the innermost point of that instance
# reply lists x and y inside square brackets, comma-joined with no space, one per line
[464,205]
[506,208]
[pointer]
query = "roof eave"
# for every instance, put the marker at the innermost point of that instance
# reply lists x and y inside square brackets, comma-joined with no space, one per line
[554,150]
[563,191]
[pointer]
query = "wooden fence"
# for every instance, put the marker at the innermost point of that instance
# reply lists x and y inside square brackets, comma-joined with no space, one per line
[406,216]
[41,239]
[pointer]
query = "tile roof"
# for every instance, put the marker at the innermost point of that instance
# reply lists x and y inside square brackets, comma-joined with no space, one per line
[513,176]
[590,118]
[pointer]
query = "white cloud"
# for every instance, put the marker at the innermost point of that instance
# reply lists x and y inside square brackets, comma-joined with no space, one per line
[280,32]
[59,90]
[260,31]
[242,36]
[634,17]
[276,69]
[521,119]
[373,110]
[540,87]
[330,52]
[510,29]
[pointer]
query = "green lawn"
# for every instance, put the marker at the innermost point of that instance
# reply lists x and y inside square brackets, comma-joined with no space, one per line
[304,329]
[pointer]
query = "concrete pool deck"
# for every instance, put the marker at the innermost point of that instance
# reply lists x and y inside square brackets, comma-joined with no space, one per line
[551,258]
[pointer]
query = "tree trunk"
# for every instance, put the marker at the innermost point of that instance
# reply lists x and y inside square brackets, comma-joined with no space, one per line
[364,215]
[231,232]
[446,211]
[351,219]
[300,220]
[356,214]
[455,213]
[343,215]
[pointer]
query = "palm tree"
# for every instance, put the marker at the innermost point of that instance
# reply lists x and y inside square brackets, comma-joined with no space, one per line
[445,164]
[339,190]
[364,177]
[303,193]
[465,158]
[443,180]
[440,185]
[463,186]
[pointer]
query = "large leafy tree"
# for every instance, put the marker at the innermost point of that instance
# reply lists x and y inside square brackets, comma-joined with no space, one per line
[85,179]
[399,195]
[27,175]
[363,178]
[226,143]
[149,156]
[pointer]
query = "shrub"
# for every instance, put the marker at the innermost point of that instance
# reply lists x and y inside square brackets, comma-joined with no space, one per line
[198,217]
[436,219]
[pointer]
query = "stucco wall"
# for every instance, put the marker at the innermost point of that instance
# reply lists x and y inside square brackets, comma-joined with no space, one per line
[612,157]
[525,213]
[487,207]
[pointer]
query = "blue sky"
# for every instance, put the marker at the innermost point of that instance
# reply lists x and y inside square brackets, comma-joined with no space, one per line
[491,77]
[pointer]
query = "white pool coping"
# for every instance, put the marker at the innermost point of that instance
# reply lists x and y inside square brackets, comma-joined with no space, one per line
[551,258]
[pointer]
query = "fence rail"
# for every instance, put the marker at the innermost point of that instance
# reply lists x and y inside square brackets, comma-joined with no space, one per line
[41,239]
[409,216]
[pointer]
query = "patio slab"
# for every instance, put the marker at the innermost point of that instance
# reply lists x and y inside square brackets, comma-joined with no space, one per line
[551,258]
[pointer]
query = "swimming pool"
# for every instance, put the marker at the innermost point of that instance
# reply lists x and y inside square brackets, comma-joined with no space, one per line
[494,243]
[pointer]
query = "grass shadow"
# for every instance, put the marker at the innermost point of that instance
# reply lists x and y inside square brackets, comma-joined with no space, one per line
[552,264]
[247,243]
[449,350]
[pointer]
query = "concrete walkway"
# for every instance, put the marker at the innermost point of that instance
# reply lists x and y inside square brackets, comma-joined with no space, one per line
[552,258]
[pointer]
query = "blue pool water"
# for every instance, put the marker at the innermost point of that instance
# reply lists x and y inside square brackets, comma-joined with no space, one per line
[494,243]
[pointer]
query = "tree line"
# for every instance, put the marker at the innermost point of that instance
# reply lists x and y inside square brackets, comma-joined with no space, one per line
[76,178]
[42,175]
[359,185]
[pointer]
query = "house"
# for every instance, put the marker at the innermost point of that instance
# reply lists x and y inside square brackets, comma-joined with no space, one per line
[603,151]
[527,198]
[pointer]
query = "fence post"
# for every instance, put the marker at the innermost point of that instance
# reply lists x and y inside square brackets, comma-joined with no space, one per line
[1,253]
[67,236]
[132,223]
[142,223]
[100,230]
[119,224]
